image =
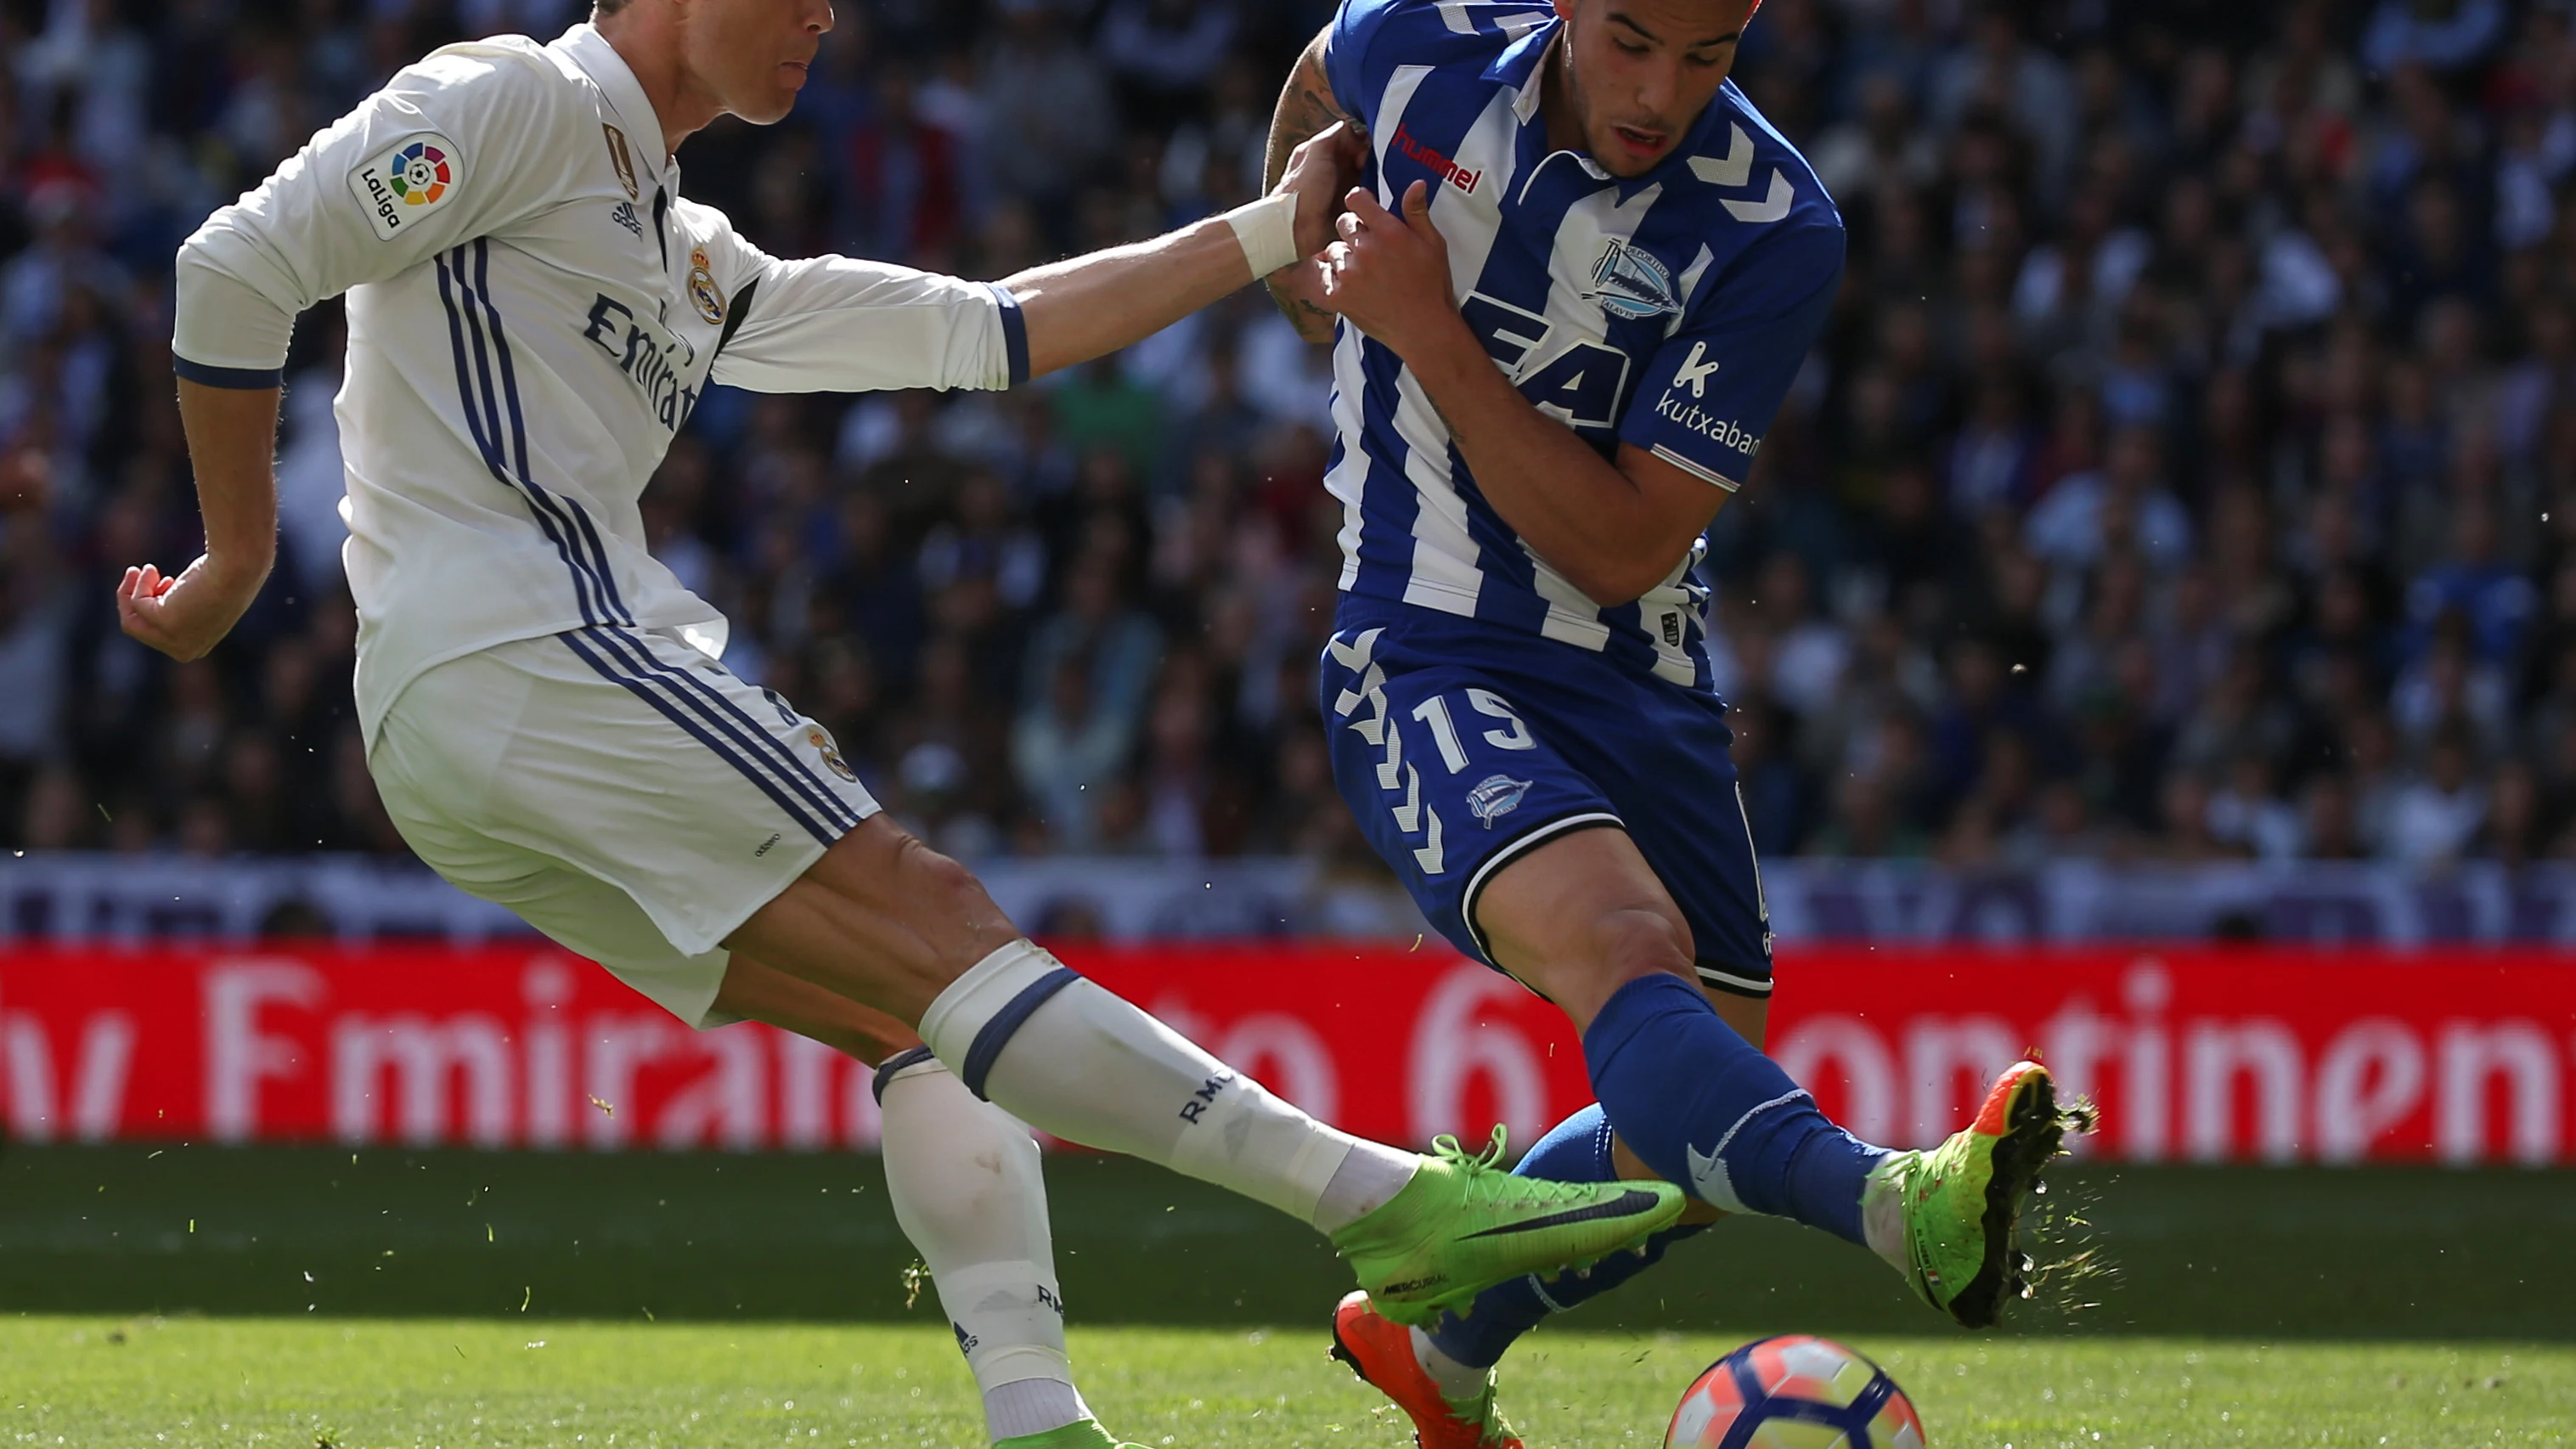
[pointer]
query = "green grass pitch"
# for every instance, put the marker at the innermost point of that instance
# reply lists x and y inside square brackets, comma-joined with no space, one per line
[292,1298]
[303,1383]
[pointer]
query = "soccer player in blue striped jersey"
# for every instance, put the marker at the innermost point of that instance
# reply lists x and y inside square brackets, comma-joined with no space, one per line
[1576,284]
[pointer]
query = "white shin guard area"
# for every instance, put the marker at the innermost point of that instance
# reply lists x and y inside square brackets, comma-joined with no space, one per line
[1076,1061]
[968,1191]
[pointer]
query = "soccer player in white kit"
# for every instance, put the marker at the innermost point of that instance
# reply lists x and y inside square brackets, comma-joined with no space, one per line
[533,311]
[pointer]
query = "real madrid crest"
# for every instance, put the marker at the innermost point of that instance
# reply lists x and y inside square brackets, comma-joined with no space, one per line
[704,294]
[821,740]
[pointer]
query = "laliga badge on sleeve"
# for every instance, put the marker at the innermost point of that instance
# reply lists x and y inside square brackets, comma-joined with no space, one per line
[407,181]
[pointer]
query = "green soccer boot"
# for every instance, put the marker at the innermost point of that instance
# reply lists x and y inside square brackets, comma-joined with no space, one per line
[1080,1434]
[1463,1224]
[1961,1201]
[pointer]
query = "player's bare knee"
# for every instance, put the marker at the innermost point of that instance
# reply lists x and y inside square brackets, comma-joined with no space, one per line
[1621,945]
[1640,940]
[936,879]
[971,926]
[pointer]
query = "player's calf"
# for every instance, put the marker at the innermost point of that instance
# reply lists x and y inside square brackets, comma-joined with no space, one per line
[1695,1101]
[1021,1029]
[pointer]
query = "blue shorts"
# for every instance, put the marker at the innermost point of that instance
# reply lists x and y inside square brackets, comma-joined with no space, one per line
[1460,748]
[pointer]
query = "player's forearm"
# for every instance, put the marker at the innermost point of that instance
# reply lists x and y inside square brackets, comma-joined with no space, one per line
[1088,306]
[232,447]
[1575,508]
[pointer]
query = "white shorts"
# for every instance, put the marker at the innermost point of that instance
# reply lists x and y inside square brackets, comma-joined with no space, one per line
[621,791]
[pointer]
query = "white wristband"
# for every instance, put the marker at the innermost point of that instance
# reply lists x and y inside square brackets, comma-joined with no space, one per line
[1267,230]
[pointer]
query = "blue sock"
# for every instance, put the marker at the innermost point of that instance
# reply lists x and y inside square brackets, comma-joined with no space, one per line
[1575,1150]
[1703,1108]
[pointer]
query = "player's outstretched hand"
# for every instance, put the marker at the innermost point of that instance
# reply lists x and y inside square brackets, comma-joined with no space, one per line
[185,615]
[1389,274]
[1322,168]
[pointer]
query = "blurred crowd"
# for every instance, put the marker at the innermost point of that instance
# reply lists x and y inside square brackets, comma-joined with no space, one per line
[2188,472]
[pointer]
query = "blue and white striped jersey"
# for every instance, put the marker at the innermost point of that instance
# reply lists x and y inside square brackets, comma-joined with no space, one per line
[1670,311]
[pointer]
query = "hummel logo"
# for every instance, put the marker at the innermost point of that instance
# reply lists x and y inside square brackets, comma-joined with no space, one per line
[1441,166]
[1694,373]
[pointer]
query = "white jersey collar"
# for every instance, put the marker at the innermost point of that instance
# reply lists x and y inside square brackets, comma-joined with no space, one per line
[616,79]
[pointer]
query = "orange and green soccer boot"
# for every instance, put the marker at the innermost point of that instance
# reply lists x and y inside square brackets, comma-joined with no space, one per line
[1380,1351]
[1960,1202]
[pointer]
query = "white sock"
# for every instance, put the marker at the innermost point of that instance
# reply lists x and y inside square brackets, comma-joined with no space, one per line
[1031,1406]
[967,1190]
[1370,1175]
[1458,1382]
[1087,1067]
[1882,1213]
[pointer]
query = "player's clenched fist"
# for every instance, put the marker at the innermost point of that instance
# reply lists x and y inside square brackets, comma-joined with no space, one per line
[186,614]
[1389,274]
[1320,170]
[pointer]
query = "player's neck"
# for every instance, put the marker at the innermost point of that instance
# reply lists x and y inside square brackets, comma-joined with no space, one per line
[646,39]
[1556,109]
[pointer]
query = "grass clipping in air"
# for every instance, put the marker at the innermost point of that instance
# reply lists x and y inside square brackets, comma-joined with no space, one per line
[2066,1264]
[295,1383]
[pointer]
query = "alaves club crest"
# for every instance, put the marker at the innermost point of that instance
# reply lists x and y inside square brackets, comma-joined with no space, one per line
[1628,282]
[1496,796]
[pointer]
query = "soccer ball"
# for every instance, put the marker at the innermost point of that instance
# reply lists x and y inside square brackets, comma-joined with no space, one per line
[1795,1392]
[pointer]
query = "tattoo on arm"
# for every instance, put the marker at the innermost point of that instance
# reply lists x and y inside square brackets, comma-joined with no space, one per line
[1306,106]
[1313,322]
[1306,109]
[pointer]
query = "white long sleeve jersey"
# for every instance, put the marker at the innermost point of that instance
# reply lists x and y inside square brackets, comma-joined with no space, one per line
[533,311]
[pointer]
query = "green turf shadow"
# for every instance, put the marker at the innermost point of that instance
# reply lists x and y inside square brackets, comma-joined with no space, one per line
[2258,1253]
